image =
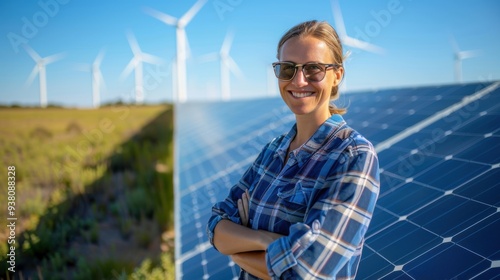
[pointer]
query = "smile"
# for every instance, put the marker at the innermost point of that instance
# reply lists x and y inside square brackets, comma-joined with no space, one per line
[301,94]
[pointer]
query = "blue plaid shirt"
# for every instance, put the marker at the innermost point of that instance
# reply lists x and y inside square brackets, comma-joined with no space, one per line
[322,200]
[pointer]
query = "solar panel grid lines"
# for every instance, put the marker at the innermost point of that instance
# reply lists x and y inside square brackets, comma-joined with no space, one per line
[381,201]
[222,175]
[439,115]
[440,196]
[236,143]
[255,127]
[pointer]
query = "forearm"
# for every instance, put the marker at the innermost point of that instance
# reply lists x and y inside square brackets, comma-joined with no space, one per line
[253,263]
[231,238]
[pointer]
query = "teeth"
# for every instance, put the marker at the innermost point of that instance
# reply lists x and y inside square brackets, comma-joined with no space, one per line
[301,94]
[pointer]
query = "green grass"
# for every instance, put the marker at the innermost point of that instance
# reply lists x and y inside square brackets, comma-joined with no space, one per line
[81,176]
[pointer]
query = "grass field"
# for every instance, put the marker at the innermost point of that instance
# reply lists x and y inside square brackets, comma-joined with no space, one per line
[93,192]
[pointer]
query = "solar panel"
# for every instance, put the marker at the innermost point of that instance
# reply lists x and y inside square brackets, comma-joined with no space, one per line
[438,213]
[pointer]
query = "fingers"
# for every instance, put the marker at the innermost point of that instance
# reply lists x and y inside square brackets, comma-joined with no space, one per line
[244,199]
[242,213]
[243,208]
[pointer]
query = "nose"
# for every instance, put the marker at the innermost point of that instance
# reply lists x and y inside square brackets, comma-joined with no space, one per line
[299,80]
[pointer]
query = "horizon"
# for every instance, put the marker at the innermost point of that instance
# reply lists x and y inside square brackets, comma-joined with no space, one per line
[417,51]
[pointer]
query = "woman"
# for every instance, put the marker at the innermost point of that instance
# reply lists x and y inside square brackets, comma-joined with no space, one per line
[302,209]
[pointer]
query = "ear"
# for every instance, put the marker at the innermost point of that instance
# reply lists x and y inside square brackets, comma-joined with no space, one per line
[339,74]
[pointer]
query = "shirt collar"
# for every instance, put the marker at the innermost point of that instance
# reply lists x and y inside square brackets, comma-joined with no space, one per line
[322,134]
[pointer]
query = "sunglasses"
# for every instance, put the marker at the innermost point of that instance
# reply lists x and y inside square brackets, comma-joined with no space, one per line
[313,72]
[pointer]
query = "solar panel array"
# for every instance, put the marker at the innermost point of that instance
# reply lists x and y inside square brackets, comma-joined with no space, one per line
[438,213]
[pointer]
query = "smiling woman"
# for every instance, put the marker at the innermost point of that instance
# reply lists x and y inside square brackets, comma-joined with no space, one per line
[302,209]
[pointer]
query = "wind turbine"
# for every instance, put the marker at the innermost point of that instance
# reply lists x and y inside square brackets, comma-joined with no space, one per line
[459,56]
[227,65]
[40,70]
[136,65]
[181,39]
[349,41]
[97,78]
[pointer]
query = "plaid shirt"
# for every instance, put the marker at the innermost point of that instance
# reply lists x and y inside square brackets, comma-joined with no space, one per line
[322,200]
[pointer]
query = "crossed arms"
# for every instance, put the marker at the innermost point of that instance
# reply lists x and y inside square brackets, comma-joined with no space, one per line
[327,243]
[245,246]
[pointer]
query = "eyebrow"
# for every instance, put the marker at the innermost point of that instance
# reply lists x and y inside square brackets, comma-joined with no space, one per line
[309,62]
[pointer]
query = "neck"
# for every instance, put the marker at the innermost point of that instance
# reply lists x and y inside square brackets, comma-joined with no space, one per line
[307,126]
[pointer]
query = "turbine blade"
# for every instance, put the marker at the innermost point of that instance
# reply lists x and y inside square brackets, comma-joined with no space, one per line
[99,58]
[128,69]
[132,41]
[34,55]
[355,43]
[167,19]
[226,45]
[342,32]
[468,54]
[233,67]
[32,76]
[101,79]
[208,57]
[149,58]
[347,55]
[53,58]
[454,44]
[338,19]
[187,17]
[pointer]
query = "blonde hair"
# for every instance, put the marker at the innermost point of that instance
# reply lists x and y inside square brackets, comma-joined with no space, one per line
[324,31]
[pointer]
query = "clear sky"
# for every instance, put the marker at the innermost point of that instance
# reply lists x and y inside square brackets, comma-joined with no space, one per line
[415,36]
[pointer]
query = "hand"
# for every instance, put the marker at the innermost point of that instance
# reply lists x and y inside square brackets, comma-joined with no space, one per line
[243,208]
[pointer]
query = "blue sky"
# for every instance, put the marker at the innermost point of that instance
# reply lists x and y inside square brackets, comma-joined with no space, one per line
[414,34]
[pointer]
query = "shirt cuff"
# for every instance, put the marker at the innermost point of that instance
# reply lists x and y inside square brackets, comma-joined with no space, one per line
[279,257]
[279,254]
[211,227]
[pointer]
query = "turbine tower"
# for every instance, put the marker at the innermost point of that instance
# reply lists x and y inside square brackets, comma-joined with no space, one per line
[349,41]
[459,56]
[227,65]
[180,25]
[136,65]
[40,70]
[97,78]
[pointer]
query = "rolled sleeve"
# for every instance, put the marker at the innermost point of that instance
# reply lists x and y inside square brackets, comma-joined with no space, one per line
[283,253]
[332,235]
[224,210]
[212,222]
[228,208]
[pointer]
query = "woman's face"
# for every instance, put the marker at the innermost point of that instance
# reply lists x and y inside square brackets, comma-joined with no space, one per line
[304,97]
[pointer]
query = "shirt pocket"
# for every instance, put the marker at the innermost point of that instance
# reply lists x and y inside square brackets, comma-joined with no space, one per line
[293,202]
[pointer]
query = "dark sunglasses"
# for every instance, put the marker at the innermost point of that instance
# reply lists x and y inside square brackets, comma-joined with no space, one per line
[313,72]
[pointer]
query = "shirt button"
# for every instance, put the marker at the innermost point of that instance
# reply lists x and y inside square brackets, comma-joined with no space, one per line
[316,225]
